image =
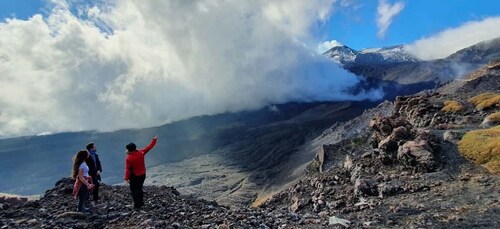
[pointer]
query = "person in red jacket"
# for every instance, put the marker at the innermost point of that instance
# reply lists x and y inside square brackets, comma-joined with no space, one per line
[135,171]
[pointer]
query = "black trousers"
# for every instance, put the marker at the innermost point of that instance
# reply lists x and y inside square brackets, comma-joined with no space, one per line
[83,196]
[95,192]
[136,184]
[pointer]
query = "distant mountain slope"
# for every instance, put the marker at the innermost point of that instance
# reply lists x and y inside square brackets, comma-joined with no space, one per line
[393,54]
[342,54]
[394,64]
[479,53]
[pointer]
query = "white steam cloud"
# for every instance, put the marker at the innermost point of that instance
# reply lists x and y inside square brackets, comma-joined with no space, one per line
[327,45]
[451,40]
[144,63]
[385,13]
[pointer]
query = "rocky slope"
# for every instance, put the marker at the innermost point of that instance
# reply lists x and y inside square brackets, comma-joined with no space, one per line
[396,165]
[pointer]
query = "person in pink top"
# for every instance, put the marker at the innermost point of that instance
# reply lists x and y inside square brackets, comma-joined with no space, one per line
[135,171]
[83,183]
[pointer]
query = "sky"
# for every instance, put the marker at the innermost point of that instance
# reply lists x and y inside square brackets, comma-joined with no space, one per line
[72,65]
[356,26]
[352,22]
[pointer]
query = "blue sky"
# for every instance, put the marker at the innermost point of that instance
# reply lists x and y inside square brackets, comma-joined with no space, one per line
[419,18]
[355,25]
[21,9]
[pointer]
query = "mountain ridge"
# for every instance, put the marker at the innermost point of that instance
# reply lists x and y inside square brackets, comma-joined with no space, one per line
[390,54]
[413,71]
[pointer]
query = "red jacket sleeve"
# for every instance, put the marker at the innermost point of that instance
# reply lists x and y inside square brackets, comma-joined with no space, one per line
[149,147]
[128,165]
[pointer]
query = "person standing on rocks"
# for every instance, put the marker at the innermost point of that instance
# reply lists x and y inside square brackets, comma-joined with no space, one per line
[135,170]
[83,182]
[95,169]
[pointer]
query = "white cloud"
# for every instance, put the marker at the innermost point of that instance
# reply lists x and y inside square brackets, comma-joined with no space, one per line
[385,13]
[451,40]
[327,45]
[144,63]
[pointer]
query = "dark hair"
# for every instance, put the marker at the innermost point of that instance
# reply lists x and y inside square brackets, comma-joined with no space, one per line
[131,147]
[78,159]
[90,146]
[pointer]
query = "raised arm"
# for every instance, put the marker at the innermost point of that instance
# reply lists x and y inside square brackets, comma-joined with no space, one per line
[150,146]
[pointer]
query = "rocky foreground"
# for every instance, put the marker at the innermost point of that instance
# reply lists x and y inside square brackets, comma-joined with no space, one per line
[165,208]
[368,194]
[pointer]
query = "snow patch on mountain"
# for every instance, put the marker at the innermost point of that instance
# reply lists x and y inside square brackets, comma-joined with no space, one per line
[342,54]
[393,54]
[396,54]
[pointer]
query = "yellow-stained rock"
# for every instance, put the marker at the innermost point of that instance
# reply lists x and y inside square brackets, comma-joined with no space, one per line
[482,147]
[452,106]
[485,101]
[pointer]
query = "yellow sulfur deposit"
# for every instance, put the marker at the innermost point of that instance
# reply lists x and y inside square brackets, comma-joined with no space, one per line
[452,106]
[482,147]
[485,101]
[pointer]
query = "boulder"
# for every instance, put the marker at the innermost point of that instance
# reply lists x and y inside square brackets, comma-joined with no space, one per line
[65,185]
[417,153]
[365,187]
[355,173]
[388,144]
[452,136]
[400,133]
[467,120]
[348,164]
[418,110]
[297,204]
[333,221]
[389,188]
[399,122]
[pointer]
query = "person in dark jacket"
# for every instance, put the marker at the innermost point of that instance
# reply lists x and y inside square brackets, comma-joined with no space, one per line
[95,169]
[135,171]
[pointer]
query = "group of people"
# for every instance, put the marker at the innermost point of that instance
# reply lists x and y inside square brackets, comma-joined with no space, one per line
[87,171]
